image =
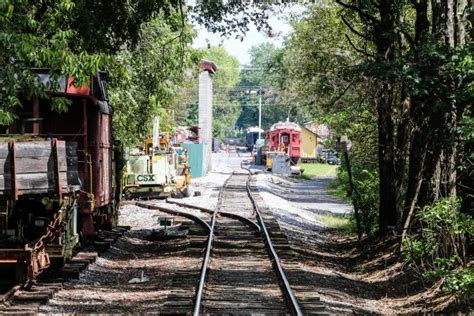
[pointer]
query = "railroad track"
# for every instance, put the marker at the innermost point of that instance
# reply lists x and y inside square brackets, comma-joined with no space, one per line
[26,300]
[244,275]
[248,265]
[241,271]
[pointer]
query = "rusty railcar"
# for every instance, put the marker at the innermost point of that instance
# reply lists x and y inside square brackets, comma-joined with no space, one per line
[59,176]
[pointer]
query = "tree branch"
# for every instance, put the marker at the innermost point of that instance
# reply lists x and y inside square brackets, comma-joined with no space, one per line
[358,49]
[358,10]
[344,20]
[333,102]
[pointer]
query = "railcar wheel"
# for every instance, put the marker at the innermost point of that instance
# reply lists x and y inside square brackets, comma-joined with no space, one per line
[177,194]
[127,195]
[186,192]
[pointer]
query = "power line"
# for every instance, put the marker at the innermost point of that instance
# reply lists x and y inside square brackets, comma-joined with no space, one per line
[239,105]
[236,87]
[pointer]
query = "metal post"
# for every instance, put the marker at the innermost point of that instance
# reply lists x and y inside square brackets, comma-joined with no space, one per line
[36,114]
[260,113]
[351,190]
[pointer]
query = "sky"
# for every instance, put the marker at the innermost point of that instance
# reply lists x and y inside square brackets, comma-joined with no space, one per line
[239,48]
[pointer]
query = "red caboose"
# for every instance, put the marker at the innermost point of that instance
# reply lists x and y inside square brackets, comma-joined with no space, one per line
[285,137]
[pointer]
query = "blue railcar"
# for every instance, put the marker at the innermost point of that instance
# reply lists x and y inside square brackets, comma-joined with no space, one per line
[251,137]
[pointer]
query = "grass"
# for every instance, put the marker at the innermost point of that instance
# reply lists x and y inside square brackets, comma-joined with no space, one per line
[312,170]
[337,189]
[339,222]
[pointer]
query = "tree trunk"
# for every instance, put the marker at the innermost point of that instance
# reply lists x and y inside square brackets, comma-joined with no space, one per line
[449,24]
[419,114]
[470,14]
[388,197]
[455,37]
[385,40]
[403,132]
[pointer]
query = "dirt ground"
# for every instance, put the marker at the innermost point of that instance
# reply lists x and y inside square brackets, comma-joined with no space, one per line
[157,266]
[350,276]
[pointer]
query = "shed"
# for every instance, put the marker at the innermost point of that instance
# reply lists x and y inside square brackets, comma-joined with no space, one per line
[309,141]
[197,163]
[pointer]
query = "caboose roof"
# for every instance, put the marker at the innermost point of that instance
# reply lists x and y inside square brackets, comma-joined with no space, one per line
[285,125]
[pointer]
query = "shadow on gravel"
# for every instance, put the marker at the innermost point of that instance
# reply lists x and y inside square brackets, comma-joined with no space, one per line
[107,286]
[317,193]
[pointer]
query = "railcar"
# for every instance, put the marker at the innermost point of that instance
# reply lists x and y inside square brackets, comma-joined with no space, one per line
[252,137]
[285,138]
[59,176]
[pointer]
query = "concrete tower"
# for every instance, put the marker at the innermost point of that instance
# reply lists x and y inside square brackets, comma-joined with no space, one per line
[208,69]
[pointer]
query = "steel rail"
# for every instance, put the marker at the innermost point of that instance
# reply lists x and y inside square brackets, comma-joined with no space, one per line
[174,212]
[290,297]
[207,256]
[225,214]
[204,267]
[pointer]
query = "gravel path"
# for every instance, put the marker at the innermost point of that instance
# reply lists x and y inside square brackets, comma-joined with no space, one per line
[298,203]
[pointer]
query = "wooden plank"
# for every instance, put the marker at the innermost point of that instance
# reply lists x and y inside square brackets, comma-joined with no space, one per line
[4,150]
[35,167]
[33,181]
[61,148]
[31,165]
[33,149]
[5,183]
[63,181]
[5,165]
[39,181]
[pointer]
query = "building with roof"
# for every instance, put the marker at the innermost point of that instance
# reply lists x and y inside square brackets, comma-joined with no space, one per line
[309,142]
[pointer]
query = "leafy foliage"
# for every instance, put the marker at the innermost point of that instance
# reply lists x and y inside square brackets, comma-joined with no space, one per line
[232,17]
[37,34]
[365,195]
[154,70]
[439,251]
[142,45]
[225,107]
[266,71]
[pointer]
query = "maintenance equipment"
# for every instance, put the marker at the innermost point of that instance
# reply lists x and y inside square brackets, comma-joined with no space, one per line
[157,170]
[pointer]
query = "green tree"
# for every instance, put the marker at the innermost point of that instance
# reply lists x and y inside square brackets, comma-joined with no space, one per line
[225,107]
[322,78]
[154,71]
[143,45]
[37,34]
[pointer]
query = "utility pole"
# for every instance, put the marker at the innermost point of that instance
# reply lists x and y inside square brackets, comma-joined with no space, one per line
[260,113]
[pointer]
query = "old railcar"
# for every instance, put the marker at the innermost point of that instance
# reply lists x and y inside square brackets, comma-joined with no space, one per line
[59,176]
[285,138]
[252,136]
